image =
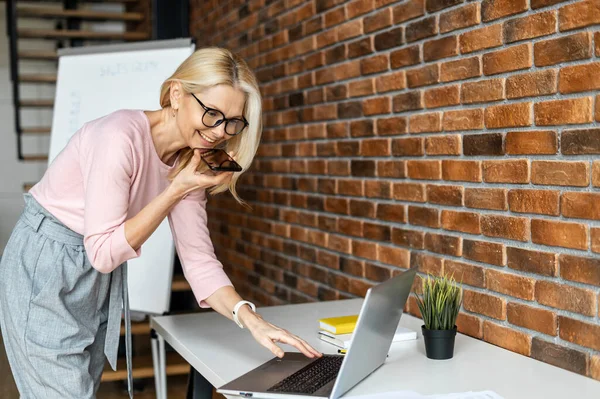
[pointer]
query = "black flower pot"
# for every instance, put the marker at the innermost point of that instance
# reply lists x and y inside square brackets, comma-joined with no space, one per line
[439,344]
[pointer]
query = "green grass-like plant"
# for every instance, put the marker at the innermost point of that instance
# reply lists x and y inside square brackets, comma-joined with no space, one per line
[440,302]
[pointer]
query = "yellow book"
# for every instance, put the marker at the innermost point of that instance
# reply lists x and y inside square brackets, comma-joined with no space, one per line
[339,325]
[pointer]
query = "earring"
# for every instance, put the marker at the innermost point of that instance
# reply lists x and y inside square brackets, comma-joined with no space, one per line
[173,112]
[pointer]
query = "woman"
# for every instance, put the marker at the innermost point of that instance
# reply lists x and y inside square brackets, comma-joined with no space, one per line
[63,269]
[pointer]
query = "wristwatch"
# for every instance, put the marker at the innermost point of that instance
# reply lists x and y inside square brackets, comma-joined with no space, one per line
[236,309]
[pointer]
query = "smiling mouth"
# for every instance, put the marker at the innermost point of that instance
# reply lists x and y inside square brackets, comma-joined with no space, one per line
[206,137]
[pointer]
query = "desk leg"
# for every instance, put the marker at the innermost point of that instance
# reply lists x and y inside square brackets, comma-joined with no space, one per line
[156,355]
[198,386]
[162,367]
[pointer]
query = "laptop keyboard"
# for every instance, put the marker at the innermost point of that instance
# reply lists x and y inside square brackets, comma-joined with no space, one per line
[312,377]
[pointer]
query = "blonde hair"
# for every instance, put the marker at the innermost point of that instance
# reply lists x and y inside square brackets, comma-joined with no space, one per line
[204,69]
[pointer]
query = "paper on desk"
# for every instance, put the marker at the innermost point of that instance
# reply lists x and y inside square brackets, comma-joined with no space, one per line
[414,395]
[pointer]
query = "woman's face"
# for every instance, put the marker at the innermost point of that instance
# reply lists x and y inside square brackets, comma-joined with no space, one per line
[221,98]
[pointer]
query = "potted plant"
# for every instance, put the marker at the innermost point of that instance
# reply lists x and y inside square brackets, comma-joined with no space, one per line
[439,305]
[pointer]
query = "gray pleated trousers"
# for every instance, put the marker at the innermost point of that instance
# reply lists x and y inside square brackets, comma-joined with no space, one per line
[59,316]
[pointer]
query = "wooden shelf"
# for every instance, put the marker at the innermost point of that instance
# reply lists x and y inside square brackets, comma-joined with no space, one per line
[37,78]
[35,158]
[142,367]
[37,103]
[44,12]
[79,34]
[180,284]
[36,130]
[38,55]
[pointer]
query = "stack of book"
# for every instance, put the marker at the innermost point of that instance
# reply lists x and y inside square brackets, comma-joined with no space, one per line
[338,331]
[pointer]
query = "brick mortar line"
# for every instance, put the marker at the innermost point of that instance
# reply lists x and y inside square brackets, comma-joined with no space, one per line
[559,312]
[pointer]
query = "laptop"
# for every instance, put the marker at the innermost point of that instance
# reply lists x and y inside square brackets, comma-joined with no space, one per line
[297,376]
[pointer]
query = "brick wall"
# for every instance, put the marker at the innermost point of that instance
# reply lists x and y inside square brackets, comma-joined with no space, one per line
[456,136]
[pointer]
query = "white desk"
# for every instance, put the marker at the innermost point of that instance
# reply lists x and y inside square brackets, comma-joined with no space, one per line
[221,351]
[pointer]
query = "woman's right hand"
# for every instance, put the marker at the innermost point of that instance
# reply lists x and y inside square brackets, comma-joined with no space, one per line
[189,179]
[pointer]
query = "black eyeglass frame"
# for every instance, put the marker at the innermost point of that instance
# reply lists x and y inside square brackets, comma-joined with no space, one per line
[223,119]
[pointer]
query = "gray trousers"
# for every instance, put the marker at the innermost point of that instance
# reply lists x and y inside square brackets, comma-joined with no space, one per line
[58,315]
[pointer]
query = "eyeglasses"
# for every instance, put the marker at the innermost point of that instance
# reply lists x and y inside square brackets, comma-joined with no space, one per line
[214,117]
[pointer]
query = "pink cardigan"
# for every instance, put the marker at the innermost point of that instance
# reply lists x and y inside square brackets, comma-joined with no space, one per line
[105,175]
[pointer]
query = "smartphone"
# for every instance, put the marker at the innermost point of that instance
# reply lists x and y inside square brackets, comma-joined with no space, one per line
[219,161]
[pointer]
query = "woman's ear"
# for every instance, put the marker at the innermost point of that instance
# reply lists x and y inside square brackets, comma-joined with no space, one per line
[175,94]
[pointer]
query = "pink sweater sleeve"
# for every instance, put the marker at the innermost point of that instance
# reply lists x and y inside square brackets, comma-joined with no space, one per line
[107,169]
[195,250]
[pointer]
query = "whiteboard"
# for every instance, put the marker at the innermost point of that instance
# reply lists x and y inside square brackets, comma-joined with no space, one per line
[95,81]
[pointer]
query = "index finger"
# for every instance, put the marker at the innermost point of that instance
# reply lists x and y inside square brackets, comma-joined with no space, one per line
[290,340]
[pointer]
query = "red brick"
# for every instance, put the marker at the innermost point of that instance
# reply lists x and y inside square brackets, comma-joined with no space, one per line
[359,128]
[442,244]
[466,222]
[440,48]
[459,18]
[510,284]
[422,216]
[596,172]
[460,69]
[443,145]
[480,39]
[579,15]
[543,202]
[408,101]
[563,112]
[494,9]
[399,257]
[512,228]
[389,39]
[349,29]
[580,205]
[391,82]
[532,318]
[530,27]
[579,78]
[421,29]
[442,96]
[487,305]
[408,238]
[427,170]
[376,106]
[507,338]
[391,126]
[358,7]
[375,64]
[360,47]
[560,356]
[351,266]
[579,332]
[510,171]
[465,273]
[392,212]
[470,119]
[350,187]
[486,198]
[563,49]
[380,20]
[469,325]
[377,273]
[559,234]
[543,263]
[437,5]
[364,249]
[486,252]
[510,59]
[595,367]
[582,270]
[423,76]
[378,189]
[531,84]
[445,195]
[560,173]
[531,142]
[408,147]
[423,123]
[360,88]
[358,287]
[461,170]
[482,91]
[405,57]
[580,141]
[544,3]
[409,192]
[408,10]
[483,144]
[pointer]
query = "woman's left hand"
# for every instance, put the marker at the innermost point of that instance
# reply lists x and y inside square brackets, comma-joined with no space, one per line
[267,334]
